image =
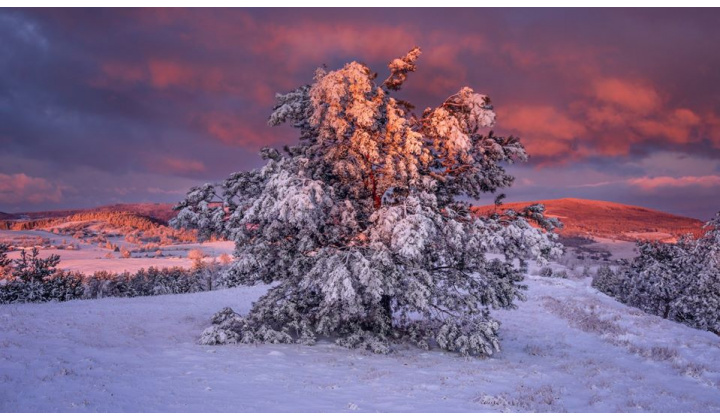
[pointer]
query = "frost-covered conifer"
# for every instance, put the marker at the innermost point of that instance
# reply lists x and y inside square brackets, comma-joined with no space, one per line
[35,279]
[699,302]
[359,227]
[4,261]
[679,281]
[64,286]
[606,281]
[33,268]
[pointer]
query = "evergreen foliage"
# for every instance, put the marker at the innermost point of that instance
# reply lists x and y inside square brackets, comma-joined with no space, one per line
[4,260]
[679,281]
[606,281]
[359,227]
[34,279]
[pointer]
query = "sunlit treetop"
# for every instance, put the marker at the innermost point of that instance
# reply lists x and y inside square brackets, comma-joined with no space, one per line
[359,226]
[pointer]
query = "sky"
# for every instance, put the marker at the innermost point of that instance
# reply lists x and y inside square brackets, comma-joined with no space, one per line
[101,106]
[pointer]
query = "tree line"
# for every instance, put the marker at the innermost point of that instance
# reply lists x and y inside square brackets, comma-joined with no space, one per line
[677,281]
[31,278]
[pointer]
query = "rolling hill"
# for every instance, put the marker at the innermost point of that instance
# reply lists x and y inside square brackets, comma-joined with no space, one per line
[585,218]
[139,224]
[580,217]
[160,212]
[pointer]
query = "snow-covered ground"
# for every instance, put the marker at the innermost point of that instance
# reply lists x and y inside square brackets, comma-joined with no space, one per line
[568,348]
[89,258]
[618,249]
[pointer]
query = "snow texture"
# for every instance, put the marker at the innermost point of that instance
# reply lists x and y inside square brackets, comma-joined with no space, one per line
[568,348]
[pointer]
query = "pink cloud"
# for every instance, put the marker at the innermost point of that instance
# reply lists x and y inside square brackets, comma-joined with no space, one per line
[605,112]
[125,72]
[677,127]
[167,73]
[178,166]
[607,120]
[651,183]
[712,128]
[231,129]
[570,61]
[183,73]
[601,115]
[615,112]
[315,41]
[21,188]
[628,95]
[545,130]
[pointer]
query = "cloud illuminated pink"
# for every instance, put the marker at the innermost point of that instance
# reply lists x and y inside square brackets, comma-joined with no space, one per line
[21,188]
[628,95]
[651,183]
[178,166]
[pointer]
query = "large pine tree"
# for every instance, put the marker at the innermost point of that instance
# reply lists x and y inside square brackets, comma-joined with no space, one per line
[359,228]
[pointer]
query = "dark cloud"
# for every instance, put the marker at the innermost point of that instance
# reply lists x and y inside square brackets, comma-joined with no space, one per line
[153,101]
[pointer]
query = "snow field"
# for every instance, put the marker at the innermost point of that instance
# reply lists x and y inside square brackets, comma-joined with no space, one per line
[91,258]
[568,348]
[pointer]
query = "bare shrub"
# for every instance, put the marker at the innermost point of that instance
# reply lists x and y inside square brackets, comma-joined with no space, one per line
[585,317]
[196,256]
[542,399]
[546,272]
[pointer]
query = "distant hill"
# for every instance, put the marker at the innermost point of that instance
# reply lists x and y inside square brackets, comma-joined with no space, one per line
[139,224]
[585,218]
[160,212]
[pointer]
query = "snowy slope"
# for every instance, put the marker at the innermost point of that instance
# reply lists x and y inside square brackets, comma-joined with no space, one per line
[568,348]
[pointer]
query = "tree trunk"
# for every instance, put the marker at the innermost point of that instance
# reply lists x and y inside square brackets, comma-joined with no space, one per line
[666,313]
[376,198]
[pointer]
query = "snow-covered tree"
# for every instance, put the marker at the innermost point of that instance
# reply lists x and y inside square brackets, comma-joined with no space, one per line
[678,281]
[359,227]
[4,261]
[35,279]
[606,281]
[31,267]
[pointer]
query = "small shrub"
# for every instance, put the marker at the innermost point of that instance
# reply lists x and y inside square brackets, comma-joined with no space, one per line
[35,279]
[546,272]
[196,256]
[605,280]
